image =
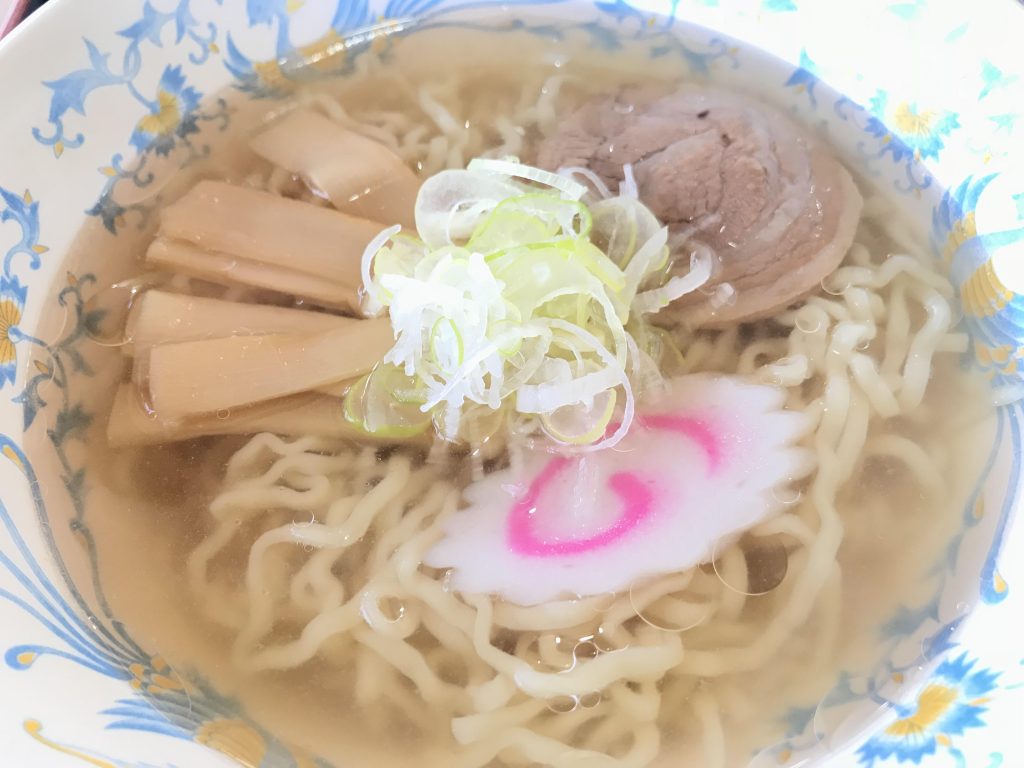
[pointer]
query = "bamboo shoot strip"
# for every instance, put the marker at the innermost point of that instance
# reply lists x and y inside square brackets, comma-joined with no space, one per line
[159,317]
[176,256]
[305,414]
[140,377]
[211,375]
[358,175]
[260,227]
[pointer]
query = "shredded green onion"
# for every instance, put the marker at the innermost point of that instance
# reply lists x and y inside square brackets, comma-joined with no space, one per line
[515,297]
[570,189]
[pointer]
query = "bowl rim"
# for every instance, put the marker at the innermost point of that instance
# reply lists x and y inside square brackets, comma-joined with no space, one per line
[52,10]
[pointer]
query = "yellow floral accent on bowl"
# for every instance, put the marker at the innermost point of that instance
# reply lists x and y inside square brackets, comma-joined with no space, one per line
[932,704]
[10,316]
[9,453]
[35,729]
[157,678]
[983,294]
[166,119]
[909,122]
[235,739]
[1000,358]
[324,54]
[270,74]
[962,231]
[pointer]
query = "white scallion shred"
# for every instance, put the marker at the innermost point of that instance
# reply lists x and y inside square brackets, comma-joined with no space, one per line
[578,170]
[504,302]
[628,186]
[571,190]
[373,305]
[680,285]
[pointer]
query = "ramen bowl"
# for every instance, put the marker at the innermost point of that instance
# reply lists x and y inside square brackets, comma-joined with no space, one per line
[100,107]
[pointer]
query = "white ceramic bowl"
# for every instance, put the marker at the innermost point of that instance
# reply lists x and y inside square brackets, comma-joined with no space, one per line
[932,105]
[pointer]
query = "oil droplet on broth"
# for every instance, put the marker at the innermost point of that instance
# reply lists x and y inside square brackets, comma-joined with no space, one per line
[828,285]
[109,308]
[562,705]
[391,608]
[787,496]
[766,564]
[585,649]
[606,642]
[806,325]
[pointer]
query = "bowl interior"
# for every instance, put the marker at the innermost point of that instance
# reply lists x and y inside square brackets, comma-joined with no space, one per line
[55,421]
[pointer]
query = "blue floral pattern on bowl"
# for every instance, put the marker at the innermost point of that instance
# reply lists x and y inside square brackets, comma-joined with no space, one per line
[951,703]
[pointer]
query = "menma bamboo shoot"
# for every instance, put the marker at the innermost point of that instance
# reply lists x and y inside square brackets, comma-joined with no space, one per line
[357,174]
[260,227]
[177,256]
[132,424]
[158,317]
[211,375]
